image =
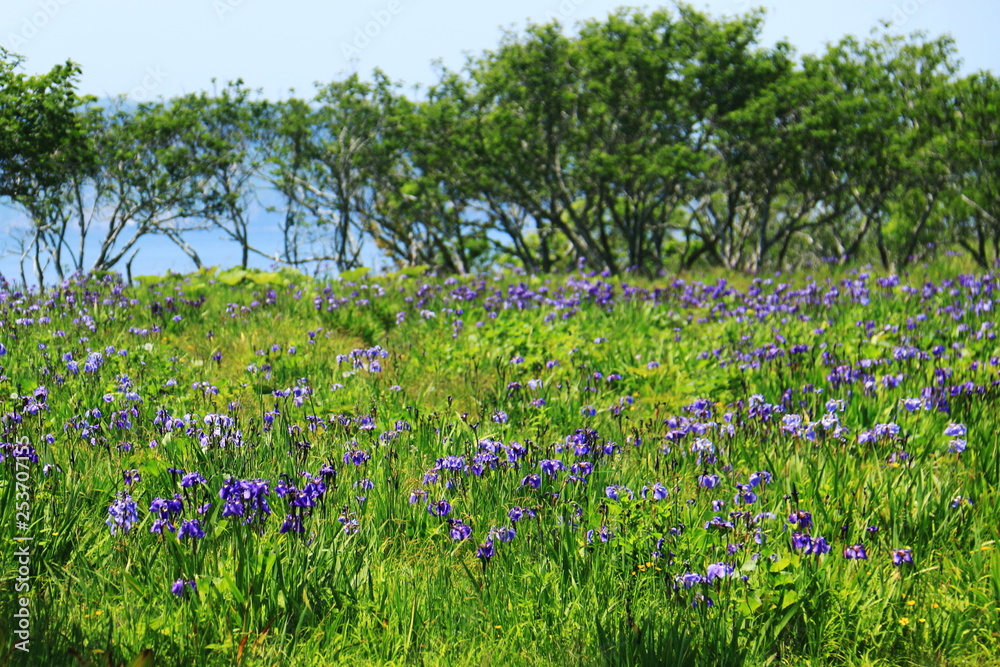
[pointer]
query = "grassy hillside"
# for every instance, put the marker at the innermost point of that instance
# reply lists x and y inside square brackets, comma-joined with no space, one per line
[258,469]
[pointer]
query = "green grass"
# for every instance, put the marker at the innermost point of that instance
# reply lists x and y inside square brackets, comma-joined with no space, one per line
[398,589]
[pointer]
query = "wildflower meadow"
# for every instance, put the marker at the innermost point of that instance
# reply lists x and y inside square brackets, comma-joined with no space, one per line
[255,468]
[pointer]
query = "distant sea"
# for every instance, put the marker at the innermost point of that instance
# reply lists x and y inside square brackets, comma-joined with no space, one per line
[158,255]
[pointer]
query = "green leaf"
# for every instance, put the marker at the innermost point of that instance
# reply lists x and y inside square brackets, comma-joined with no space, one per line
[749,606]
[789,598]
[266,279]
[781,564]
[147,281]
[355,274]
[232,276]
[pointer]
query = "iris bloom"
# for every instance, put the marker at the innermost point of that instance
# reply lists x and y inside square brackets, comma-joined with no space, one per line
[708,481]
[122,514]
[855,552]
[517,513]
[191,528]
[439,508]
[486,551]
[506,534]
[605,534]
[801,517]
[292,523]
[459,530]
[177,588]
[689,579]
[532,480]
[191,479]
[955,430]
[900,556]
[718,571]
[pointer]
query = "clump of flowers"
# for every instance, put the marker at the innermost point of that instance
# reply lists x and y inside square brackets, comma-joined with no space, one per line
[122,513]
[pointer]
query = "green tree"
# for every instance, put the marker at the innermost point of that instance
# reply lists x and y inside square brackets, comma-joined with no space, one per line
[893,116]
[527,141]
[38,124]
[747,101]
[977,149]
[332,163]
[642,148]
[221,138]
[286,140]
[425,214]
[134,182]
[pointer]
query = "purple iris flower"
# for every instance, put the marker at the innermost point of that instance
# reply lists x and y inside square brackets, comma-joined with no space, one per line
[191,528]
[604,534]
[718,571]
[459,530]
[901,556]
[709,481]
[506,534]
[191,479]
[532,480]
[689,579]
[486,551]
[177,588]
[745,495]
[719,523]
[439,508]
[356,456]
[800,540]
[855,552]
[615,491]
[660,492]
[517,513]
[122,514]
[818,546]
[955,430]
[292,523]
[802,518]
[551,466]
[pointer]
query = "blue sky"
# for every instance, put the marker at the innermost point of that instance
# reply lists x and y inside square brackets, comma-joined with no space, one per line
[168,47]
[152,48]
